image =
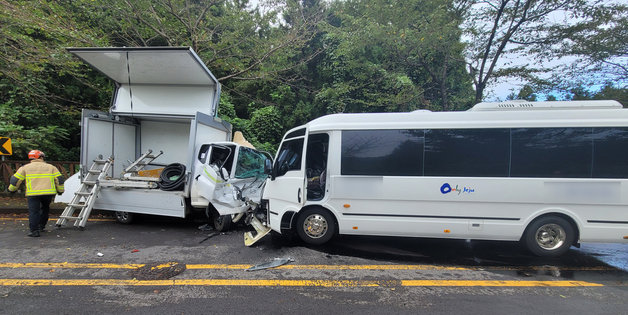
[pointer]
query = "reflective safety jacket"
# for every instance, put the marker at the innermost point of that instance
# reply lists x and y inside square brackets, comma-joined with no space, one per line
[41,179]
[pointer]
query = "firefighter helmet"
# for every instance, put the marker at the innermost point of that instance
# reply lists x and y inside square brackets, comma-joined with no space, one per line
[35,154]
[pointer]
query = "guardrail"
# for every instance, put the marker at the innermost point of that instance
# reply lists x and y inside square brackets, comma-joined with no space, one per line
[8,168]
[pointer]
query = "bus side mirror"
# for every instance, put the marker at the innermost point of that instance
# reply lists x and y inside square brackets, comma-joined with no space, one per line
[268,168]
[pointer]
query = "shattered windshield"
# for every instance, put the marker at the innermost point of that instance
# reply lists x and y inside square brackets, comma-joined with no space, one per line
[250,164]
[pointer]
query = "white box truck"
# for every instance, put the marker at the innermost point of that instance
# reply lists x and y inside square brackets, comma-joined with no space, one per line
[165,100]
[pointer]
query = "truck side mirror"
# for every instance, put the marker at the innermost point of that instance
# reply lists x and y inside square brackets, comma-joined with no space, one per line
[268,168]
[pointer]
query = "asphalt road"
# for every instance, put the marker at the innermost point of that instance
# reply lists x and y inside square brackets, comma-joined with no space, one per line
[169,266]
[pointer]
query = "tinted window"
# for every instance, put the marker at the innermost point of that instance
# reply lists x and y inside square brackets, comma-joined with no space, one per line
[382,152]
[289,157]
[296,133]
[202,153]
[467,152]
[610,152]
[551,152]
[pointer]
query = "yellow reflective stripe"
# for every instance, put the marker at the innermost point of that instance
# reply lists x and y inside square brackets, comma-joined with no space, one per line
[40,193]
[211,177]
[40,175]
[42,190]
[19,176]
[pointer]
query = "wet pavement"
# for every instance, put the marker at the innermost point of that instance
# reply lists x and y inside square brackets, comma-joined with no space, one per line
[165,265]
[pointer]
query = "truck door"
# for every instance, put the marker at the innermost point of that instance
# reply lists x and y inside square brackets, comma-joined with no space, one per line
[286,192]
[204,130]
[101,135]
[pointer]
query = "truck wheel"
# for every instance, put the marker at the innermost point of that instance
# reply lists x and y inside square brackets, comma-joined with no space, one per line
[549,236]
[124,217]
[222,223]
[316,226]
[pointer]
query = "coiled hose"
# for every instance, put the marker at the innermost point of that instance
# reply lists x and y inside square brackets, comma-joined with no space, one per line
[172,177]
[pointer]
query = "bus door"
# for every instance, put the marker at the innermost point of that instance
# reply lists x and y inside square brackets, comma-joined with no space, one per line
[287,191]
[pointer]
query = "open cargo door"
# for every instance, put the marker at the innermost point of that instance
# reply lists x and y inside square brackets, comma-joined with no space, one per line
[155,82]
[98,131]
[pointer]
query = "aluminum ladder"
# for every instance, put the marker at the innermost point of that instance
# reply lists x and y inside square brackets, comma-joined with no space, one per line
[85,197]
[141,162]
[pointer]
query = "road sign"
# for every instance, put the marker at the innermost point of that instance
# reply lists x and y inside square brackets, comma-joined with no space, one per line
[5,146]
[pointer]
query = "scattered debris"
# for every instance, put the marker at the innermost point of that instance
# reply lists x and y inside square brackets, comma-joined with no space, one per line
[271,264]
[206,227]
[157,271]
[100,254]
[208,237]
[135,251]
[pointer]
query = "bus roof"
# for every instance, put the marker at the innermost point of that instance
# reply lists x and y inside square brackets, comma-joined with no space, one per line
[485,115]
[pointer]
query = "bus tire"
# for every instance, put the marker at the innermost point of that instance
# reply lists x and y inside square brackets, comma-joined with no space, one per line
[124,217]
[549,236]
[316,226]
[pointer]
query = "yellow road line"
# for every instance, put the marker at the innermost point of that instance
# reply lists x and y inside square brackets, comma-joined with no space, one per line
[296,267]
[54,219]
[331,267]
[496,283]
[293,283]
[70,265]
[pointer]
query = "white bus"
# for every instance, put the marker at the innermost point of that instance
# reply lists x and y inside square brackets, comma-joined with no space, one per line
[548,174]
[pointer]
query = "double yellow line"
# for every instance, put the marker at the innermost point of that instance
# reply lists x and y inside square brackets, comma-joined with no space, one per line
[68,265]
[278,283]
[294,283]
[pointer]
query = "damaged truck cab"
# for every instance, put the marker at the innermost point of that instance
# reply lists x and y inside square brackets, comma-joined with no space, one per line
[165,100]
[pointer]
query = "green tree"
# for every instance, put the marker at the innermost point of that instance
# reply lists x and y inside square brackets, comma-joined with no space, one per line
[42,88]
[497,29]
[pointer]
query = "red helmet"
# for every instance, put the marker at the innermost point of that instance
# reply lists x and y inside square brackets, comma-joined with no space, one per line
[35,154]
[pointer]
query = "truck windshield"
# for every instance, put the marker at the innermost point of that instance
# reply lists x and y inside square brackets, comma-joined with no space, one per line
[250,164]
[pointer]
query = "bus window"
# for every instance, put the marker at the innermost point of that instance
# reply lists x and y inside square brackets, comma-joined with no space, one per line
[382,152]
[289,157]
[316,165]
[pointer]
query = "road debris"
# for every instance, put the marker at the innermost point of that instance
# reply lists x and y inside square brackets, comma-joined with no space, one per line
[209,236]
[157,271]
[271,264]
[100,254]
[206,227]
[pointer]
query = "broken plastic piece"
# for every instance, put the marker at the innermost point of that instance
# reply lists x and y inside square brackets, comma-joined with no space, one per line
[100,254]
[135,251]
[249,238]
[271,264]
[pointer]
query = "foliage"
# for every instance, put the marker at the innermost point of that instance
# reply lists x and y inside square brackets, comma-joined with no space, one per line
[282,63]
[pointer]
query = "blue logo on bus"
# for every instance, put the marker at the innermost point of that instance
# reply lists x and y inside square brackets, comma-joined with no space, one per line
[446,188]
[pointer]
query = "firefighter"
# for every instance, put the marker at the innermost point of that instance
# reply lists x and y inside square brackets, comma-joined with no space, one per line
[43,181]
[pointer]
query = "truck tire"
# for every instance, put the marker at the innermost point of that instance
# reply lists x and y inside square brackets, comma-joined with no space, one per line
[316,226]
[222,223]
[124,217]
[549,236]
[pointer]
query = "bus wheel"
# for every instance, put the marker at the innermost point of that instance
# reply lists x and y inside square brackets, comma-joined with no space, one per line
[316,226]
[124,217]
[549,236]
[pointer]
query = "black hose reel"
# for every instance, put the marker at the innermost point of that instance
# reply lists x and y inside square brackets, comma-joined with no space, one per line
[172,177]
